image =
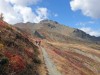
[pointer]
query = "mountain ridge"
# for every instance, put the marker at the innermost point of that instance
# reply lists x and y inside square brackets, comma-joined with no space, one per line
[55,27]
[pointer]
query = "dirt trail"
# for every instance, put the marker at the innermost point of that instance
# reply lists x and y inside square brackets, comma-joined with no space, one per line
[49,64]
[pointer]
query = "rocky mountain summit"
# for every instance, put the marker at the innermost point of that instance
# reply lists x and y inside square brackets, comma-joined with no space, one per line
[53,30]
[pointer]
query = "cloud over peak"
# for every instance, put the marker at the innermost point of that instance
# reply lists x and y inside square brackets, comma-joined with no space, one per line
[16,11]
[90,31]
[88,7]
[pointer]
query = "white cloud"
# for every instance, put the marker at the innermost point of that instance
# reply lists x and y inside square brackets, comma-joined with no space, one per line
[85,23]
[42,14]
[16,11]
[26,13]
[90,31]
[9,13]
[56,15]
[23,2]
[88,7]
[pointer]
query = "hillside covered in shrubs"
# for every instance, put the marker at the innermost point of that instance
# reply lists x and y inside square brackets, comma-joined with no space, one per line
[18,55]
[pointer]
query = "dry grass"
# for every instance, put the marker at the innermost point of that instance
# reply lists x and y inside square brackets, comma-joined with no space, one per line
[71,59]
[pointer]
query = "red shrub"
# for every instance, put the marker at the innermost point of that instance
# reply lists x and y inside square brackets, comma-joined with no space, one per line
[8,54]
[29,52]
[59,52]
[17,63]
[2,23]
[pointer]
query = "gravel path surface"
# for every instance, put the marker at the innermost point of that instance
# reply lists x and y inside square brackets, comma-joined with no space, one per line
[49,64]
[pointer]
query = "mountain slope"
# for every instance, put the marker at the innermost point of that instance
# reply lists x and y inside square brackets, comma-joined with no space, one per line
[52,30]
[18,54]
[73,51]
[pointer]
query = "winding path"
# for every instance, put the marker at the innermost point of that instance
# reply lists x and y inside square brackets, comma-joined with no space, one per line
[49,64]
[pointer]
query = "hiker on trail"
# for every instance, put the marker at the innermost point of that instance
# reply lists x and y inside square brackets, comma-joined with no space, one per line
[39,42]
[36,42]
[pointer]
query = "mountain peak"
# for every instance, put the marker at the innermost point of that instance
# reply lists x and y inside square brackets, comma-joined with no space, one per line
[48,21]
[55,29]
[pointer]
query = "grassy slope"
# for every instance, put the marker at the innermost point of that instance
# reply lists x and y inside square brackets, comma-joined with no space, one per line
[18,55]
[75,58]
[71,55]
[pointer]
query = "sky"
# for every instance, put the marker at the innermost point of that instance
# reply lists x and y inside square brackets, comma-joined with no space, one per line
[81,14]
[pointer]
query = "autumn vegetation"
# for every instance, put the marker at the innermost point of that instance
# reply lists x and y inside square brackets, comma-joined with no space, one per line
[18,55]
